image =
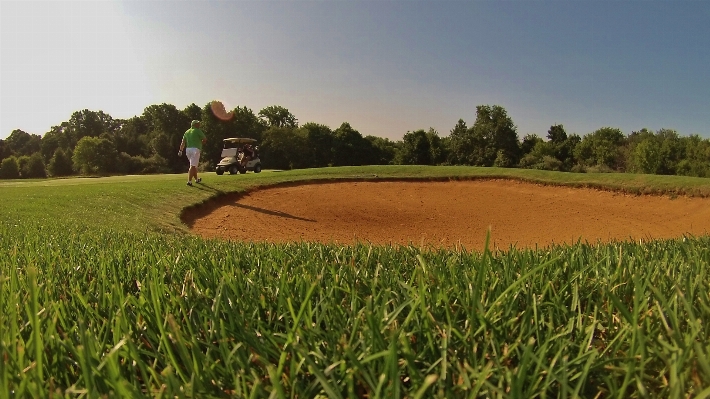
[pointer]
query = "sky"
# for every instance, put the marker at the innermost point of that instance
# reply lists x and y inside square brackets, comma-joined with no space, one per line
[385,67]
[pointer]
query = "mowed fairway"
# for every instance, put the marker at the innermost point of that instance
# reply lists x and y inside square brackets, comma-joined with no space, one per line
[104,291]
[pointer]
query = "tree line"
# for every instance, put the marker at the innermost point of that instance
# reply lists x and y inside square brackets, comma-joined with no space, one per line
[94,143]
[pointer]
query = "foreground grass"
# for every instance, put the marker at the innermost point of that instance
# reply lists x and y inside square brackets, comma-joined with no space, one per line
[94,299]
[154,315]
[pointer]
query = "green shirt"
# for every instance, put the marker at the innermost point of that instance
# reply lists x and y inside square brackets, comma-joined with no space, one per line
[193,138]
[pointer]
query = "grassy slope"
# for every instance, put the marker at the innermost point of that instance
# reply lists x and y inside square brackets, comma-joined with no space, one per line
[140,203]
[613,318]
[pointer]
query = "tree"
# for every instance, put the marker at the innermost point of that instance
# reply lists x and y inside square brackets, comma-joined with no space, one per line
[349,147]
[283,148]
[87,123]
[132,138]
[601,148]
[277,116]
[415,150]
[557,134]
[529,142]
[94,155]
[461,144]
[60,164]
[22,162]
[318,146]
[4,150]
[166,119]
[646,156]
[493,136]
[421,148]
[22,143]
[9,169]
[35,168]
[383,150]
[496,132]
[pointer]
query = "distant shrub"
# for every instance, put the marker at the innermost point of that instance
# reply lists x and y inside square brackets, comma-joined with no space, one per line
[22,162]
[35,168]
[578,168]
[529,161]
[599,169]
[155,164]
[551,163]
[9,169]
[130,165]
[502,160]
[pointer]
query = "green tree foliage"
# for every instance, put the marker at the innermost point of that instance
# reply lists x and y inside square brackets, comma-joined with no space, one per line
[492,137]
[383,150]
[421,148]
[87,123]
[9,169]
[349,147]
[696,161]
[35,168]
[461,144]
[658,153]
[557,134]
[536,157]
[282,148]
[166,125]
[601,148]
[5,150]
[554,154]
[318,149]
[529,142]
[94,155]
[193,112]
[148,143]
[22,143]
[133,138]
[563,145]
[60,164]
[22,162]
[415,150]
[496,132]
[277,116]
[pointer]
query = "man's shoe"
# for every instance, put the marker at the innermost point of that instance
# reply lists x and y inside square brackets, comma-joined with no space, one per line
[189,183]
[199,180]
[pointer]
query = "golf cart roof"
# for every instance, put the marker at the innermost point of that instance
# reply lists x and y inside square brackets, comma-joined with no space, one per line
[239,140]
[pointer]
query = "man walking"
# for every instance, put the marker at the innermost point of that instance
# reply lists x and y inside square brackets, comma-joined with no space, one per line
[192,142]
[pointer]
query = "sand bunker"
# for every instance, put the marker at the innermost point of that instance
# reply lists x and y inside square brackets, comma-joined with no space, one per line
[447,214]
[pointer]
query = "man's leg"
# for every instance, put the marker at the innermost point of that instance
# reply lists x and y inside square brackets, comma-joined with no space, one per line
[197,162]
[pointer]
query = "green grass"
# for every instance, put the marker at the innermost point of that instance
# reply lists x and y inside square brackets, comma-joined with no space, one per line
[102,293]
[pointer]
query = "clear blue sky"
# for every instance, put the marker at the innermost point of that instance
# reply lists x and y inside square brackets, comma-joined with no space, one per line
[386,67]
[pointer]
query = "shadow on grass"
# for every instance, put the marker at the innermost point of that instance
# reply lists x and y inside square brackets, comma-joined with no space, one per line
[207,187]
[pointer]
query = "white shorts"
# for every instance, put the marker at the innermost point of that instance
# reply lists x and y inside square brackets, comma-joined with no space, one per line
[193,154]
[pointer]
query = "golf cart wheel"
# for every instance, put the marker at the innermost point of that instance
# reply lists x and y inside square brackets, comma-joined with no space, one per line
[233,170]
[257,168]
[220,171]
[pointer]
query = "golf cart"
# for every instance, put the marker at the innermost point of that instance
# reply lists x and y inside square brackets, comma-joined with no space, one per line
[238,156]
